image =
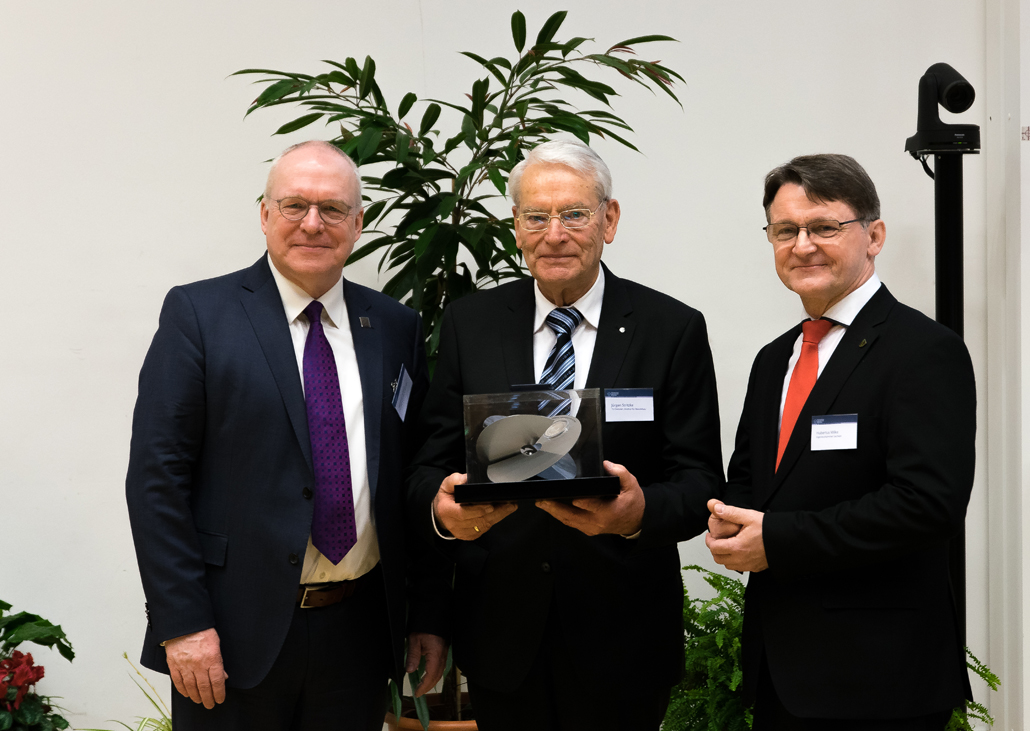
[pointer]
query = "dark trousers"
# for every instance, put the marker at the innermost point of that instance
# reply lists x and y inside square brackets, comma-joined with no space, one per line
[771,715]
[330,675]
[560,695]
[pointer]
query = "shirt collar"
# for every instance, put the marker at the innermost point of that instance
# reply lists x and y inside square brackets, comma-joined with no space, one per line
[589,305]
[845,311]
[296,299]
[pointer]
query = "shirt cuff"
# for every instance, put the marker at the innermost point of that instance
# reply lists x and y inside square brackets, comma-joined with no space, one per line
[432,516]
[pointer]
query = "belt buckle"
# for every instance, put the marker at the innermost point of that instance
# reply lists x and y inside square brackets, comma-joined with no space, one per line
[303,600]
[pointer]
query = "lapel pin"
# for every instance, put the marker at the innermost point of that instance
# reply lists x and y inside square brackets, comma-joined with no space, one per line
[364,322]
[393,385]
[622,329]
[862,344]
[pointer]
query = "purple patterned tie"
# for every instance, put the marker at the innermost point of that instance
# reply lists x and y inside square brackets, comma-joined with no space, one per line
[332,529]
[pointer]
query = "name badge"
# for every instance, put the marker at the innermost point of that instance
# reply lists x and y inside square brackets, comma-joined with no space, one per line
[629,404]
[836,431]
[402,392]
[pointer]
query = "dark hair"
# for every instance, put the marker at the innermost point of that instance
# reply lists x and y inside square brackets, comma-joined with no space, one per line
[827,178]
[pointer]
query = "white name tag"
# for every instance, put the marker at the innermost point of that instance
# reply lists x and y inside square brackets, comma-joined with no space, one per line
[836,431]
[629,404]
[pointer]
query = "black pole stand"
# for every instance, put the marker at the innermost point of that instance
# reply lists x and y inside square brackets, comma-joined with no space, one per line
[947,185]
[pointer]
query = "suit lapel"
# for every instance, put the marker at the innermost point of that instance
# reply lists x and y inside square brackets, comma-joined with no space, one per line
[516,334]
[368,346]
[856,344]
[770,393]
[264,307]
[614,333]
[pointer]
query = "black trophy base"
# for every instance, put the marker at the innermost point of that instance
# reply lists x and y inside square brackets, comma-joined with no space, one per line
[506,492]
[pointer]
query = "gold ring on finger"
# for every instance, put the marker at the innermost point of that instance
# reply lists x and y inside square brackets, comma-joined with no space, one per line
[476,528]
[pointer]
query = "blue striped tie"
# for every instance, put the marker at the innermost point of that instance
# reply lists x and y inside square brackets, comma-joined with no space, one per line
[560,369]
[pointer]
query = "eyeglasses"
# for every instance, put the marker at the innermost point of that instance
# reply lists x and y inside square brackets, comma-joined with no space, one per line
[331,212]
[572,219]
[782,233]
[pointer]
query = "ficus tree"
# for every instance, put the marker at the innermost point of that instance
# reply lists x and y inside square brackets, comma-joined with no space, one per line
[428,186]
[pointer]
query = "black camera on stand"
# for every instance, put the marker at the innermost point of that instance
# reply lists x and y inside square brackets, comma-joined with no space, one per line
[947,143]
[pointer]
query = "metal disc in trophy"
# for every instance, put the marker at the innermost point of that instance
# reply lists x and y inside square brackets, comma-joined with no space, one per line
[519,447]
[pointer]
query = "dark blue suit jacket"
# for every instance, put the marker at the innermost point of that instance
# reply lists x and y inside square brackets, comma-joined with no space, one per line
[220,466]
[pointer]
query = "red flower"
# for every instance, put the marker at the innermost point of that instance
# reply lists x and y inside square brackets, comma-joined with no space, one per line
[18,671]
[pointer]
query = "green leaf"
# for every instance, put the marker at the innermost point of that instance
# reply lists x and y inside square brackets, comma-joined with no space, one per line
[551,27]
[368,142]
[468,129]
[406,103]
[368,73]
[518,30]
[6,720]
[59,722]
[362,251]
[497,179]
[402,146]
[4,606]
[422,709]
[424,239]
[395,697]
[373,211]
[276,91]
[645,39]
[298,123]
[488,65]
[429,118]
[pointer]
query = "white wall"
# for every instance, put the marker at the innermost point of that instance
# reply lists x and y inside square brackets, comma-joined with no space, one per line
[126,167]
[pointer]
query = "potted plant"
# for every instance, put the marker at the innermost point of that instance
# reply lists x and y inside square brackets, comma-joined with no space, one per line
[429,205]
[710,696]
[21,707]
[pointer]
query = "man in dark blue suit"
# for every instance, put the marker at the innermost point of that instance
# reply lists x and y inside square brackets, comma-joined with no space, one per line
[851,471]
[270,434]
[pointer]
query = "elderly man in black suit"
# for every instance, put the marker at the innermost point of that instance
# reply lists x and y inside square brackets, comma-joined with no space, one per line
[274,421]
[570,615]
[851,471]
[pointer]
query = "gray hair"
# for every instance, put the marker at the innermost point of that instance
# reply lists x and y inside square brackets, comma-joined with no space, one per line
[324,145]
[571,153]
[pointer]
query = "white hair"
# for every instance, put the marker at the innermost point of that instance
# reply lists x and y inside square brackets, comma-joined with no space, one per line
[571,153]
[325,145]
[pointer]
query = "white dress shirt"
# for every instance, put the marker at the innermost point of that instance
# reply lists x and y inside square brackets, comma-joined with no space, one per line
[583,337]
[844,312]
[364,555]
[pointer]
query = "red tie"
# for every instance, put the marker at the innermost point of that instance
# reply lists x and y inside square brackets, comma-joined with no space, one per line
[802,379]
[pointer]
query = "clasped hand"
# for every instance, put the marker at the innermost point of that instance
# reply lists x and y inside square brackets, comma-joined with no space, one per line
[593,516]
[735,537]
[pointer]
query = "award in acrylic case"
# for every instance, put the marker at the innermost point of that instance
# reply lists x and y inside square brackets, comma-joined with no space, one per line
[534,444]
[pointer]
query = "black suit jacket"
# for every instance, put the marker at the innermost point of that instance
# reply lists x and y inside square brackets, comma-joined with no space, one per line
[220,466]
[619,601]
[855,615]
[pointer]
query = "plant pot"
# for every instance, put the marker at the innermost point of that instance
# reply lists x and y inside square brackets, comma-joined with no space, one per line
[413,724]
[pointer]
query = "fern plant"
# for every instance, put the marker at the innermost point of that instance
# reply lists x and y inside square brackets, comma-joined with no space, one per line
[710,696]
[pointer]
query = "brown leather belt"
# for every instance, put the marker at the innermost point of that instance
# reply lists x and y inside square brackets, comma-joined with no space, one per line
[314,596]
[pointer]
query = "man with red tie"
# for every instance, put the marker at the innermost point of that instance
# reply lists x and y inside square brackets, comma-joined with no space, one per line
[852,469]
